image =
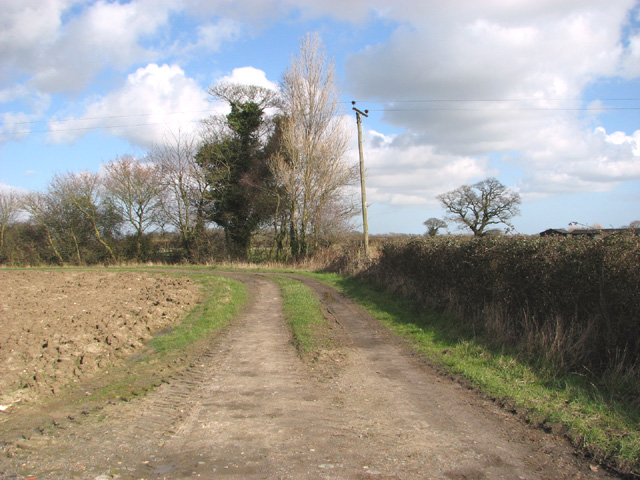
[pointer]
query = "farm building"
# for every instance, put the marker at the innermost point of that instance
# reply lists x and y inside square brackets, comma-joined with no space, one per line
[589,232]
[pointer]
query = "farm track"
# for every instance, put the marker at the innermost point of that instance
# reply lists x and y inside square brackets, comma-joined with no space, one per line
[250,408]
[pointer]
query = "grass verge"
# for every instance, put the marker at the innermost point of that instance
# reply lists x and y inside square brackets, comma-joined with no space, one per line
[303,315]
[600,420]
[223,299]
[163,357]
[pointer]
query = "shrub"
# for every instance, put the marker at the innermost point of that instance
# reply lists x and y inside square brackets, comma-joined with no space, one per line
[573,301]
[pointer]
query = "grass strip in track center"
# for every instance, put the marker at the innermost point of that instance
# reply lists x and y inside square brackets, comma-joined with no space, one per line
[302,312]
[601,420]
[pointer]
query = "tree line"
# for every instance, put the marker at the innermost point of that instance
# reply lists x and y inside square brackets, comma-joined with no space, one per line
[275,165]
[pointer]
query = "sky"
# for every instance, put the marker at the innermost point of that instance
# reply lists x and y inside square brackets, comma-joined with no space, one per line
[543,95]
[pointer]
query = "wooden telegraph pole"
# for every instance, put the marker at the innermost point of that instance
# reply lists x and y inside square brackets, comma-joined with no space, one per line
[365,222]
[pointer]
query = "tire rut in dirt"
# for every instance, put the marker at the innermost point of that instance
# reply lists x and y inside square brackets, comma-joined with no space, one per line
[260,415]
[443,429]
[168,405]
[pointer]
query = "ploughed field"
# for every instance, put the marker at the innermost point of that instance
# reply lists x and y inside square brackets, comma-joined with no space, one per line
[59,327]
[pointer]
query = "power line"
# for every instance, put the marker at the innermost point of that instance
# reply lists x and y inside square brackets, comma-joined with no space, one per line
[133,115]
[101,127]
[387,102]
[505,100]
[390,108]
[542,109]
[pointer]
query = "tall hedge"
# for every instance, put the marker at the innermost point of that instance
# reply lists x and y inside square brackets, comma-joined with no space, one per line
[576,301]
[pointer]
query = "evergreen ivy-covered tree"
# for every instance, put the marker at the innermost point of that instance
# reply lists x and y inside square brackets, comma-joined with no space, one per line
[238,175]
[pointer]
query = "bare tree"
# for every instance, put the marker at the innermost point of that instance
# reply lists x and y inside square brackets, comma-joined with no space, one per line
[280,176]
[242,93]
[184,186]
[83,191]
[216,129]
[333,221]
[66,230]
[35,205]
[9,210]
[314,140]
[482,204]
[134,189]
[433,225]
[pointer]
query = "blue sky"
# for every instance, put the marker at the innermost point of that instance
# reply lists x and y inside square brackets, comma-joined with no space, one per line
[542,94]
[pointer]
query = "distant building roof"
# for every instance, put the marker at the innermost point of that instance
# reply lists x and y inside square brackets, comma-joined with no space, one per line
[555,231]
[590,232]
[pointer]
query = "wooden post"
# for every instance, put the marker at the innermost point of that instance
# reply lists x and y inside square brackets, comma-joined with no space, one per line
[365,222]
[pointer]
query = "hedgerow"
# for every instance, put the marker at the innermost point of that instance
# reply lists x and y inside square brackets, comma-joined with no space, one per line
[575,302]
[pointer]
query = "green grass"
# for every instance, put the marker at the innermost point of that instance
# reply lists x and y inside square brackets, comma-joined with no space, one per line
[602,420]
[303,315]
[163,357]
[223,296]
[223,299]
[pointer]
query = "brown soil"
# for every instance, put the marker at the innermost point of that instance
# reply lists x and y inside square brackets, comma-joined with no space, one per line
[58,327]
[251,408]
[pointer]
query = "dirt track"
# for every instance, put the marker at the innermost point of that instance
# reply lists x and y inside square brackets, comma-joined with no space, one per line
[251,408]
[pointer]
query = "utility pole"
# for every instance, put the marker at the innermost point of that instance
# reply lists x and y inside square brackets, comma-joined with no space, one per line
[365,222]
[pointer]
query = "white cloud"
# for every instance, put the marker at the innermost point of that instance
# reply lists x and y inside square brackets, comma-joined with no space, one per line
[11,189]
[439,54]
[576,161]
[16,125]
[59,53]
[256,12]
[261,13]
[355,11]
[209,38]
[249,76]
[622,139]
[212,35]
[537,55]
[631,57]
[402,173]
[10,94]
[27,26]
[153,99]
[104,35]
